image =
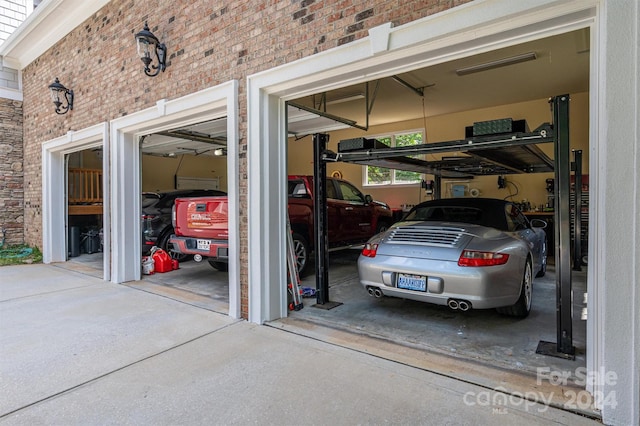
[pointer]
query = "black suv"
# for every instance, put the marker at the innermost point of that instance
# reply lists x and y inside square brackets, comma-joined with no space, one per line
[156,217]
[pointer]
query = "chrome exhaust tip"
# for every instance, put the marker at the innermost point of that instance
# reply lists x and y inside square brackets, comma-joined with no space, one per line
[464,306]
[377,292]
[453,304]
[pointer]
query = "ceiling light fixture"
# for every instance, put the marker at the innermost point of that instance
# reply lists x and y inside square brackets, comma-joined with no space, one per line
[61,96]
[529,56]
[347,98]
[147,44]
[219,152]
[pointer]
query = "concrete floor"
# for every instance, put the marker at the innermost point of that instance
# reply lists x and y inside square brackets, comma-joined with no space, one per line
[195,283]
[482,335]
[481,346]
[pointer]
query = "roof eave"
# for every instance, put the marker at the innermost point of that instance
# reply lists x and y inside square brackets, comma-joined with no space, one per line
[51,21]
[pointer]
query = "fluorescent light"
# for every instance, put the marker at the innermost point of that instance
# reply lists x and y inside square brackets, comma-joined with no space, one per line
[347,98]
[530,56]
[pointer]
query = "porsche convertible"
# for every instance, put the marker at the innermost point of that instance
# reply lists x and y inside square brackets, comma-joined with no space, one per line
[465,253]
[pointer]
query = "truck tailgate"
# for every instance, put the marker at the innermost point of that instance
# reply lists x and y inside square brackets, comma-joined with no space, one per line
[203,217]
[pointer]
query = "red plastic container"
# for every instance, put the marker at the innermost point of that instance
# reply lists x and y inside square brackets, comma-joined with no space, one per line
[162,262]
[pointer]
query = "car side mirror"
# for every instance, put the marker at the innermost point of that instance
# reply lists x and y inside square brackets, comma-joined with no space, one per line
[538,223]
[368,199]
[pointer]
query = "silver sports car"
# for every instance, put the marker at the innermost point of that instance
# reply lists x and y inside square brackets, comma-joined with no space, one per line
[465,253]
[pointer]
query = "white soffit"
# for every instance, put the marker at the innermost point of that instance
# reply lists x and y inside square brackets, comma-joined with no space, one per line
[51,21]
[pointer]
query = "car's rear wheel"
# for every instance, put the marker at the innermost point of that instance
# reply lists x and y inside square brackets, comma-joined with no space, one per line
[523,306]
[220,266]
[301,250]
[164,245]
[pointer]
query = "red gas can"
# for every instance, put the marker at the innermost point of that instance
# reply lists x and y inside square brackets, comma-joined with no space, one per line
[162,262]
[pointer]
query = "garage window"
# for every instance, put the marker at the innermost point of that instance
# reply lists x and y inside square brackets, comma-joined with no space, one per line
[379,176]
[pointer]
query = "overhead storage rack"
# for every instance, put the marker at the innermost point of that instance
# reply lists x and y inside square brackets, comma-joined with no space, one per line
[484,155]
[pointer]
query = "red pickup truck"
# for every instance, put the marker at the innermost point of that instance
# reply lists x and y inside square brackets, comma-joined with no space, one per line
[201,224]
[201,228]
[353,217]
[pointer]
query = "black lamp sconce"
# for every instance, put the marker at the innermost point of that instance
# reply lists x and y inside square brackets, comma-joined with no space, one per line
[149,44]
[61,96]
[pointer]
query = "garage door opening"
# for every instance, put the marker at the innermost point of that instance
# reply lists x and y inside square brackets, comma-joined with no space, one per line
[85,210]
[438,104]
[177,165]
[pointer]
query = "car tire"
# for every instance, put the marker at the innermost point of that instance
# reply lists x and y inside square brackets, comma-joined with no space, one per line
[164,245]
[302,253]
[522,307]
[220,266]
[543,268]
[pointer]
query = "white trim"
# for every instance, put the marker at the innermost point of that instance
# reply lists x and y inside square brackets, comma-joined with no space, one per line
[614,281]
[49,23]
[207,104]
[13,94]
[54,207]
[595,267]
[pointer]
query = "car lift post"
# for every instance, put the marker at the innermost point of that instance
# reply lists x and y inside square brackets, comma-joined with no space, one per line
[564,346]
[437,187]
[320,219]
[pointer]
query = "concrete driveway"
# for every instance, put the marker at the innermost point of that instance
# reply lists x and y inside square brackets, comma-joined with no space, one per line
[77,350]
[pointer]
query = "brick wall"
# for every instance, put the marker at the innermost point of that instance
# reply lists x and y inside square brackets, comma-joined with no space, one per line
[208,43]
[11,176]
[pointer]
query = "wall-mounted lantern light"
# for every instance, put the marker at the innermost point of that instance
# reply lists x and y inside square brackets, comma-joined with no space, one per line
[61,97]
[148,44]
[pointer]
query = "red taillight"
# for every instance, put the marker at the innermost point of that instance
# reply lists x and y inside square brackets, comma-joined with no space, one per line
[370,250]
[482,258]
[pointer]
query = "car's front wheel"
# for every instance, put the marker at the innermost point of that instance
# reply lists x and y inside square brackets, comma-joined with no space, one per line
[543,268]
[301,250]
[523,306]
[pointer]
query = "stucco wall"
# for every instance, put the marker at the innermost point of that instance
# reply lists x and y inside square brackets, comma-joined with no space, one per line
[11,174]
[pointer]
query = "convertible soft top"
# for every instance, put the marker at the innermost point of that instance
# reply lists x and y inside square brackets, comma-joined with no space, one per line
[490,212]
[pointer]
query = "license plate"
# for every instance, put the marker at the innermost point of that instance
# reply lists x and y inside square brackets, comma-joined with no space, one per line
[412,282]
[204,244]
